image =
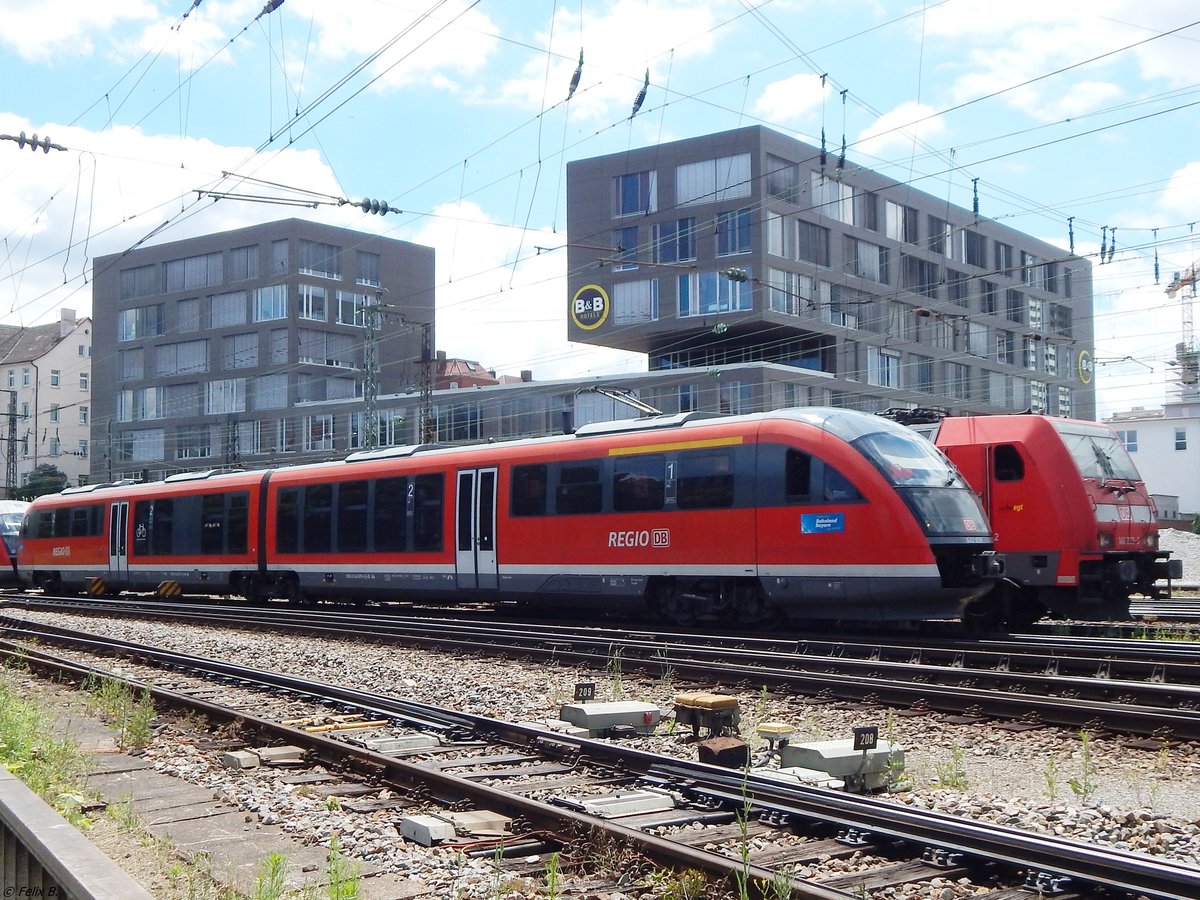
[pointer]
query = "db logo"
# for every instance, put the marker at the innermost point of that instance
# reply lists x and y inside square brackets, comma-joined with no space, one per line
[660,537]
[970,525]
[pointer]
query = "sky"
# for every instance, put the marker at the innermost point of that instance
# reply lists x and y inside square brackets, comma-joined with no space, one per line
[1073,120]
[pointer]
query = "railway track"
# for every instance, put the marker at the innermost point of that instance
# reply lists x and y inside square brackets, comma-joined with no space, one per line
[1149,689]
[551,786]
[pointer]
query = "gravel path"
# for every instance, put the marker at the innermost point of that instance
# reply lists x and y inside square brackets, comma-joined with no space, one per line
[1046,779]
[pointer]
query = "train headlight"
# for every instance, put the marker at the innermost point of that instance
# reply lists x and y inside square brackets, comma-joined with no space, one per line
[1105,539]
[1152,541]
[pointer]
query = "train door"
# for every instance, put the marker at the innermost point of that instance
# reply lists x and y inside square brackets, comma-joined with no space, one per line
[475,529]
[118,550]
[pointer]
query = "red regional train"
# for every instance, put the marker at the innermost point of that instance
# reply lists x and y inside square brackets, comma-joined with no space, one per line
[806,513]
[11,514]
[1072,516]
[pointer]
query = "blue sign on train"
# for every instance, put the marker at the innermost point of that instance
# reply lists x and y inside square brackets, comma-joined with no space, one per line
[822,523]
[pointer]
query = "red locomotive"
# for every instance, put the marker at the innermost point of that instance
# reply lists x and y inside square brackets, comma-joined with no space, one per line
[808,513]
[1072,516]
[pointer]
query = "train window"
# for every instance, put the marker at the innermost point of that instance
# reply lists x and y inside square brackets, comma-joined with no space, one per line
[212,524]
[705,481]
[391,500]
[287,521]
[141,527]
[1007,464]
[529,490]
[318,518]
[81,521]
[798,476]
[62,522]
[162,527]
[579,489]
[427,513]
[838,488]
[638,483]
[238,523]
[352,517]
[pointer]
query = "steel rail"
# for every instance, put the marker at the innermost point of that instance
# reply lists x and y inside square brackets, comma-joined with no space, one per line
[411,775]
[1110,868]
[1092,703]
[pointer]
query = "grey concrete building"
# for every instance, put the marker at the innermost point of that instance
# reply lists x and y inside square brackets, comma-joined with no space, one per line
[227,348]
[749,246]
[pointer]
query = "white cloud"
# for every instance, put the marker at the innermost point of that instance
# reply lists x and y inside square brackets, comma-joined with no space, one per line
[44,32]
[791,99]
[898,129]
[507,315]
[620,43]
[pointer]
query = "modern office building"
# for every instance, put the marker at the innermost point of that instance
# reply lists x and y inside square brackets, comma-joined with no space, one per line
[216,347]
[46,391]
[749,246]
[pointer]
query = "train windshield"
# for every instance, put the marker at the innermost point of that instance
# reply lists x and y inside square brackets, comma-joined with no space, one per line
[929,484]
[907,460]
[1098,453]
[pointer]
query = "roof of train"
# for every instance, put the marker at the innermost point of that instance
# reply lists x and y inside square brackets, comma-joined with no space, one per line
[842,423]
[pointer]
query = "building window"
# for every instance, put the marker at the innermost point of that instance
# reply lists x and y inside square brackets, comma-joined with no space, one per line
[12,378]
[921,276]
[733,232]
[1038,397]
[370,265]
[55,446]
[635,193]
[271,391]
[83,450]
[865,260]
[625,242]
[783,179]
[225,310]
[675,241]
[883,367]
[193,272]
[988,302]
[900,222]
[322,260]
[84,350]
[55,377]
[1004,259]
[958,381]
[131,365]
[1064,401]
[812,243]
[184,357]
[713,180]
[635,302]
[1014,306]
[689,398]
[974,248]
[832,198]
[922,369]
[318,432]
[193,442]
[137,282]
[139,323]
[54,413]
[327,348]
[84,415]
[85,381]
[736,397]
[312,302]
[940,236]
[239,351]
[1129,439]
[352,308]
[1180,438]
[226,395]
[243,263]
[270,303]
[705,293]
[187,315]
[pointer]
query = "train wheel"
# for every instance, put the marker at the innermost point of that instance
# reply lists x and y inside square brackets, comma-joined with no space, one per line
[289,589]
[987,613]
[673,605]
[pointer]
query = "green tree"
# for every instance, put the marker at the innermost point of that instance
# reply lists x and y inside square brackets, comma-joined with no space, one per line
[45,479]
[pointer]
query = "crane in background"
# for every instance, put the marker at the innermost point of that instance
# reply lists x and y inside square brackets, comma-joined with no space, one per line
[1185,351]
